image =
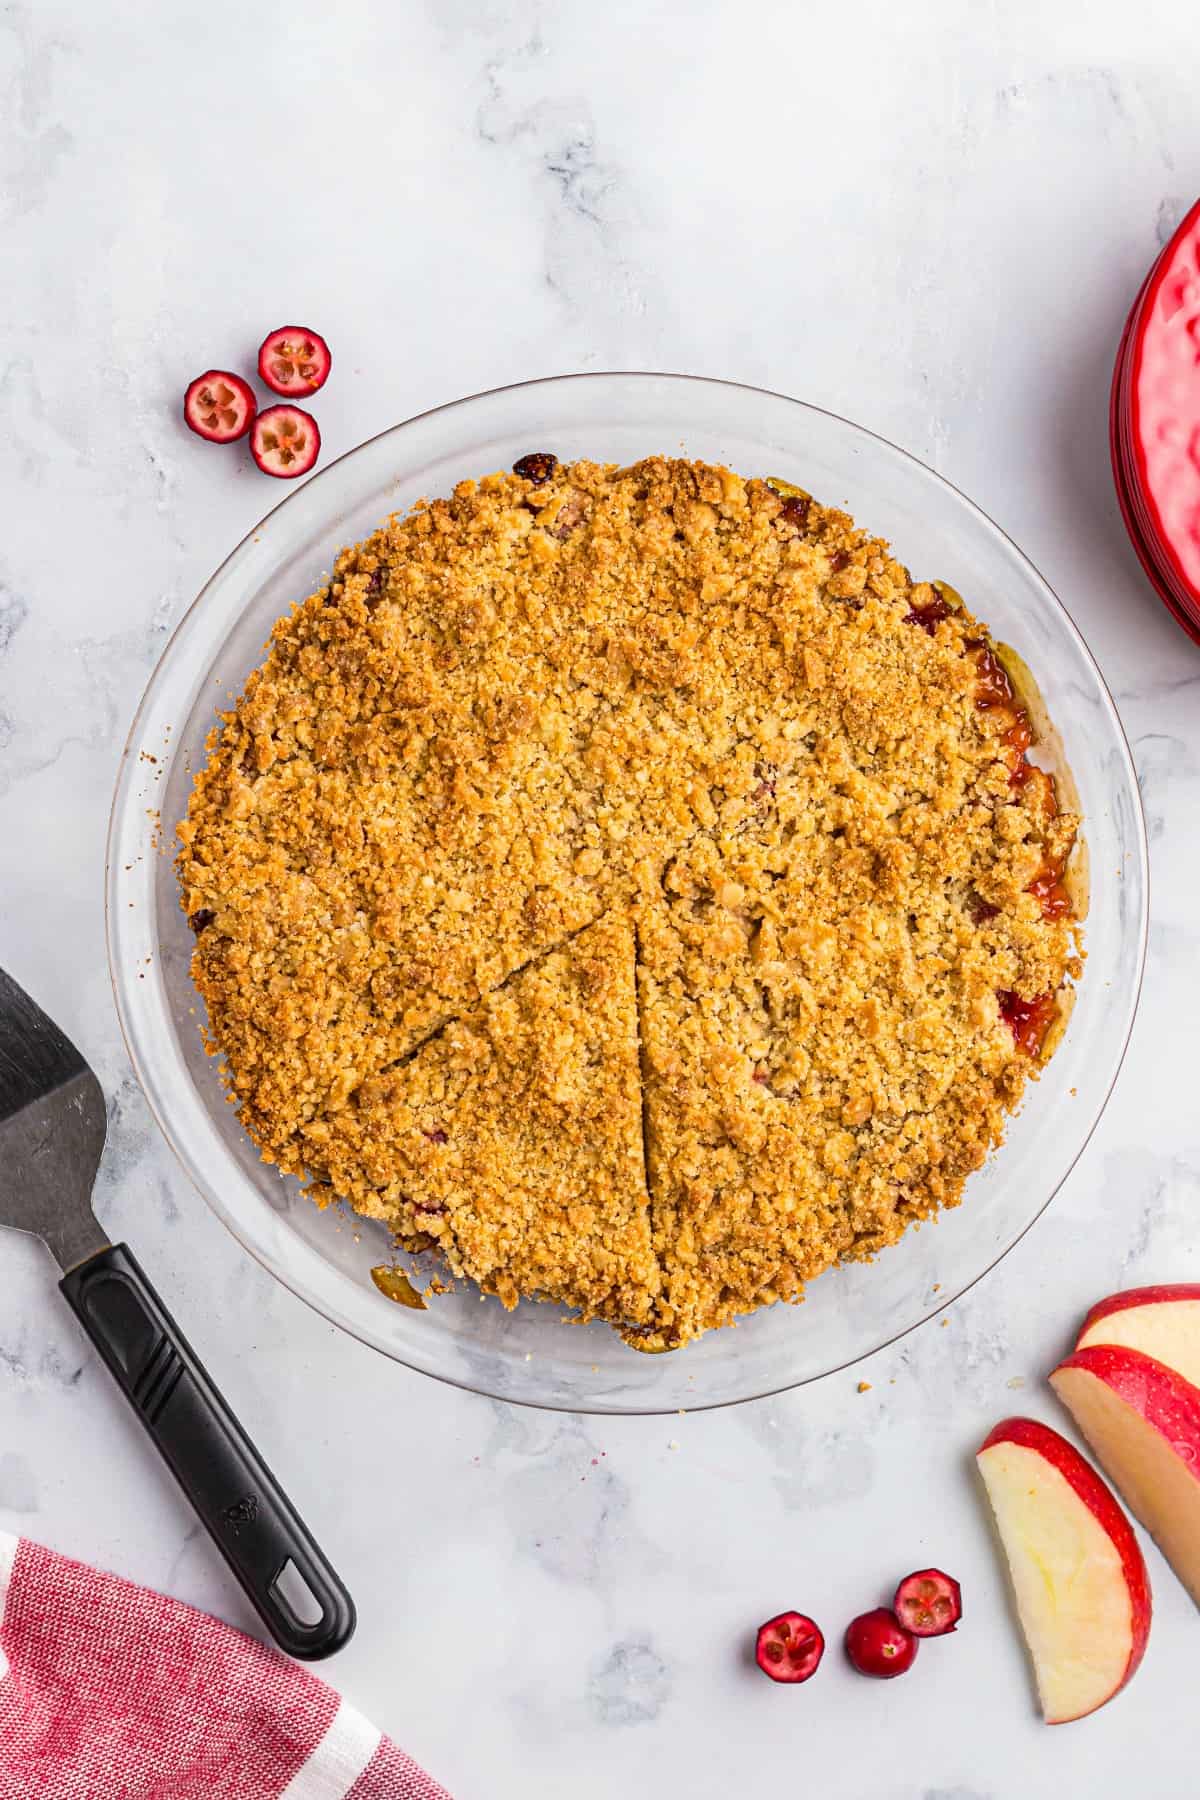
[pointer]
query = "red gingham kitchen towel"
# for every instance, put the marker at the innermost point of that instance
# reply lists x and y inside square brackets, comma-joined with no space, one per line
[111,1692]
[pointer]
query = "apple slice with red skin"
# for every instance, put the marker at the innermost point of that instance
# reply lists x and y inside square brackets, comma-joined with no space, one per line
[1082,1592]
[1162,1322]
[1142,1419]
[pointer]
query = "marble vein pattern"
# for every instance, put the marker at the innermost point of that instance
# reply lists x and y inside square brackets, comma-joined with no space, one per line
[931,219]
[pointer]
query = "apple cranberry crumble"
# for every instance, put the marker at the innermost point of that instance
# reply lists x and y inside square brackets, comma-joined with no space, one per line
[631,884]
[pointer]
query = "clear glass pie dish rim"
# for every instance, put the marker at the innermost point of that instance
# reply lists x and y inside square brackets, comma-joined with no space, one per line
[138,922]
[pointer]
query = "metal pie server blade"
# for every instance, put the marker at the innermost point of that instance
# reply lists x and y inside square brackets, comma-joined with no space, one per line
[52,1130]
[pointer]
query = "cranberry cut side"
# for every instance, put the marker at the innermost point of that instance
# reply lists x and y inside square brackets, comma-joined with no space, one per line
[294,360]
[928,1603]
[218,406]
[789,1647]
[285,441]
[879,1645]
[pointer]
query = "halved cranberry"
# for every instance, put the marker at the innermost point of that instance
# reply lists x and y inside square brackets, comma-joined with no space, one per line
[294,360]
[839,560]
[789,1647]
[1028,1020]
[218,406]
[928,1603]
[436,1136]
[285,441]
[537,467]
[879,1645]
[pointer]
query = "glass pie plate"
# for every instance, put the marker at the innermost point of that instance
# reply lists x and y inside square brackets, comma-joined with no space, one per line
[534,1355]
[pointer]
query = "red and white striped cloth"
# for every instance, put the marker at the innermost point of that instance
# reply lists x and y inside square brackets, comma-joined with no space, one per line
[111,1692]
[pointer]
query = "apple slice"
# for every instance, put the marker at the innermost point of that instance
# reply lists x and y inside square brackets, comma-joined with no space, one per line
[1162,1322]
[1143,1421]
[1083,1596]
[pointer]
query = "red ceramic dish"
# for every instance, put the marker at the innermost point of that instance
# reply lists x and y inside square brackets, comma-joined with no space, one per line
[1162,414]
[1190,621]
[1154,425]
[1147,554]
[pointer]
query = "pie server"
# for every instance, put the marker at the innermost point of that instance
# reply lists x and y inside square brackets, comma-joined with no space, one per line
[52,1130]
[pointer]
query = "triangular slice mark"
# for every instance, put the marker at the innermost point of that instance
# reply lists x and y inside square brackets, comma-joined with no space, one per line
[741,1207]
[512,1141]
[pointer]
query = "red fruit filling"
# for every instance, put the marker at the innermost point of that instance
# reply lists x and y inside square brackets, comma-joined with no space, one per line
[879,1645]
[994,692]
[1019,736]
[1028,1020]
[994,689]
[285,441]
[979,909]
[928,1603]
[929,617]
[218,406]
[1048,890]
[789,1647]
[294,360]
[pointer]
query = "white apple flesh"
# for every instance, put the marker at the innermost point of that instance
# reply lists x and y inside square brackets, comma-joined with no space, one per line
[1080,1583]
[1143,1421]
[1162,1322]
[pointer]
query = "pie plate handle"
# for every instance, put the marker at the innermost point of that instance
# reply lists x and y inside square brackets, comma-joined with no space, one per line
[245,1511]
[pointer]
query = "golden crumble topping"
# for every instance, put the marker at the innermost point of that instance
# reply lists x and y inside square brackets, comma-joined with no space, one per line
[512,1139]
[631,883]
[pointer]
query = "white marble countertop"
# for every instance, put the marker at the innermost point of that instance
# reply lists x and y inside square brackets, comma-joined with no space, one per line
[931,218]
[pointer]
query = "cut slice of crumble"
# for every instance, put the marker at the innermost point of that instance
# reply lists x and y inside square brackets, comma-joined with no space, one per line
[512,1140]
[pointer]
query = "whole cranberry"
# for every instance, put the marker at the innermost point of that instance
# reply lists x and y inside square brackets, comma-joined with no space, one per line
[877,1644]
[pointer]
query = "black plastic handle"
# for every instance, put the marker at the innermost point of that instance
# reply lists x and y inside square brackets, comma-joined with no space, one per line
[248,1516]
